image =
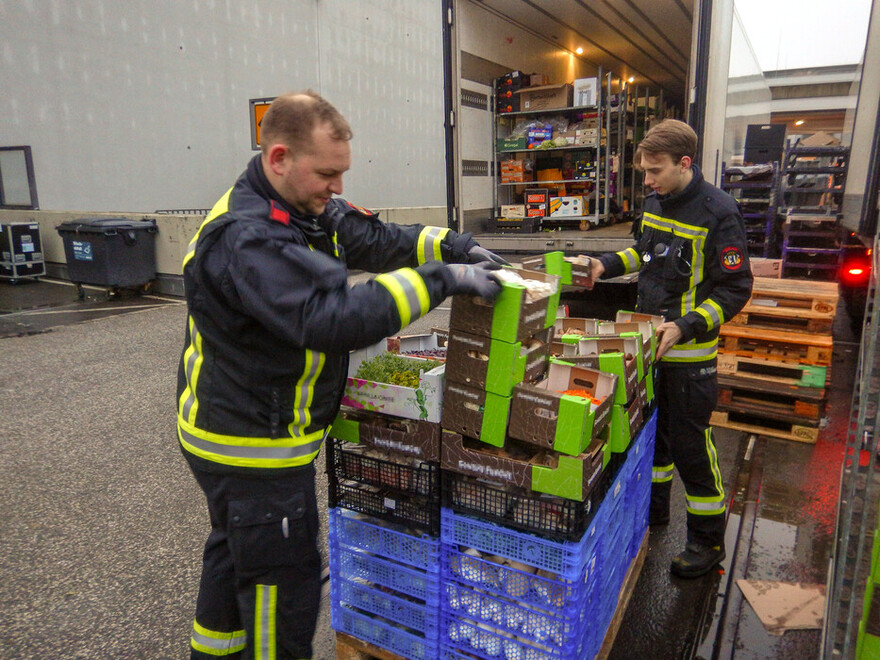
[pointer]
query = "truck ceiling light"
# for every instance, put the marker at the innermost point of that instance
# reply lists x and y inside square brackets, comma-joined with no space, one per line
[579,50]
[799,122]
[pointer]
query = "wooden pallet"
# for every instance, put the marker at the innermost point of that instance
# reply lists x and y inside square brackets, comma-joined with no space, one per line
[792,347]
[352,648]
[626,591]
[786,304]
[751,424]
[772,371]
[772,400]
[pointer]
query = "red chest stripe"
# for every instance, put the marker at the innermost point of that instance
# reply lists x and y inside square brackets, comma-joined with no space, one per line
[278,214]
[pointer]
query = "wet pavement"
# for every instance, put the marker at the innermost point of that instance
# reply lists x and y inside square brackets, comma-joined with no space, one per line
[102,537]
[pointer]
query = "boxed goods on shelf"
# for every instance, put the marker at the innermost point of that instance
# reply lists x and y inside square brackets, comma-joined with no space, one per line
[537,202]
[566,206]
[525,466]
[564,412]
[409,437]
[476,413]
[514,143]
[521,310]
[387,486]
[422,401]
[546,97]
[514,171]
[513,210]
[494,365]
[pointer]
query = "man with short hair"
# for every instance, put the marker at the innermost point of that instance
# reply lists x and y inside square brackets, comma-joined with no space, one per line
[271,320]
[694,272]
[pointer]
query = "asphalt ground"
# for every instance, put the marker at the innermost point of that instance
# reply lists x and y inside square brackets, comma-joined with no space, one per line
[103,525]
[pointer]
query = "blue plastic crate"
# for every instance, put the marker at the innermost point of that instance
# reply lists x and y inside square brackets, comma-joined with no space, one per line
[565,558]
[354,565]
[418,616]
[382,634]
[418,551]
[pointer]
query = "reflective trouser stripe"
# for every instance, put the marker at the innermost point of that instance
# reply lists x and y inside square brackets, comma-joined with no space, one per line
[429,242]
[250,452]
[661,473]
[712,313]
[410,294]
[631,260]
[713,505]
[692,352]
[264,622]
[212,642]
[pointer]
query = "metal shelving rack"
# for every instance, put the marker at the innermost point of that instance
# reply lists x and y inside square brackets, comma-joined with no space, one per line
[758,200]
[811,195]
[850,567]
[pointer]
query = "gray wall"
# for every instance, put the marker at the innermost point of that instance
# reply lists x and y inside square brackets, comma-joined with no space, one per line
[138,106]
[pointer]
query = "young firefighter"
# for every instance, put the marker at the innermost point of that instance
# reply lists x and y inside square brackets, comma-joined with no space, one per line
[271,320]
[694,272]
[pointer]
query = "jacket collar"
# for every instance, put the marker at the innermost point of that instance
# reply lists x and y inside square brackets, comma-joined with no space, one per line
[690,190]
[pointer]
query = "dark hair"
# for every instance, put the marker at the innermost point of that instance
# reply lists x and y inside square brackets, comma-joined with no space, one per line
[292,117]
[671,137]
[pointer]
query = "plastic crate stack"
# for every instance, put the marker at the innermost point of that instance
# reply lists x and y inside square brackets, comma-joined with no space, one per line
[774,360]
[514,595]
[384,490]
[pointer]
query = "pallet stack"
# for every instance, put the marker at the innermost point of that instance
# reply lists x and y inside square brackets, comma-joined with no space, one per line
[544,484]
[774,360]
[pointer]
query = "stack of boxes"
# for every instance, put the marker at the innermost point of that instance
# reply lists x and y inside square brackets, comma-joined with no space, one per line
[384,492]
[545,484]
[774,359]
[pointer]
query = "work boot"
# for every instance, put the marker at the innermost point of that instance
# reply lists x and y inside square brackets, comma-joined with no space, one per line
[697,560]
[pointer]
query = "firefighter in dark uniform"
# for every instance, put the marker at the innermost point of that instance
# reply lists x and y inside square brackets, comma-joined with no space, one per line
[271,319]
[694,272]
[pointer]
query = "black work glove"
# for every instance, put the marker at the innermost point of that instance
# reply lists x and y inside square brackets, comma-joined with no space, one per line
[475,280]
[478,254]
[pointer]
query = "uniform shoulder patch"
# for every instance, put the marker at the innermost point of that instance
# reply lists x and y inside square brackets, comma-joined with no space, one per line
[731,258]
[360,209]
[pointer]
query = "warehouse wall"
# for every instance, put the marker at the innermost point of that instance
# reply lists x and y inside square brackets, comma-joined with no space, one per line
[138,106]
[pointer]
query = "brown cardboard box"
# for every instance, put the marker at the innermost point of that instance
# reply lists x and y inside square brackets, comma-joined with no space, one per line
[409,437]
[541,414]
[476,413]
[571,477]
[766,267]
[546,97]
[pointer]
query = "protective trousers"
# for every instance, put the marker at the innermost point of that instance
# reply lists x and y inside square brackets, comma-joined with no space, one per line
[260,590]
[686,397]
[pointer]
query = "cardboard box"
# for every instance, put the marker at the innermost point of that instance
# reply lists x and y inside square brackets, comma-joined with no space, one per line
[561,207]
[819,139]
[514,171]
[513,317]
[766,267]
[415,344]
[537,202]
[644,328]
[571,270]
[497,366]
[476,413]
[423,402]
[642,394]
[585,91]
[546,97]
[576,327]
[538,79]
[407,437]
[639,317]
[542,415]
[519,177]
[621,356]
[538,134]
[513,210]
[571,477]
[626,422]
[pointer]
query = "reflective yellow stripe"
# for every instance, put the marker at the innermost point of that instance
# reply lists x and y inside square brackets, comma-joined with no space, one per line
[713,462]
[409,292]
[697,236]
[305,392]
[692,352]
[221,207]
[264,622]
[428,246]
[631,259]
[662,473]
[335,244]
[678,228]
[249,452]
[217,643]
[188,404]
[712,313]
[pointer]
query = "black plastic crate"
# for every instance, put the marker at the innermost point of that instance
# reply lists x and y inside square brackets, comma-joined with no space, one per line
[547,515]
[403,493]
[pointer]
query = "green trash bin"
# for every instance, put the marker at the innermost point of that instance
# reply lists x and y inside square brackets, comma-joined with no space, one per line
[110,252]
